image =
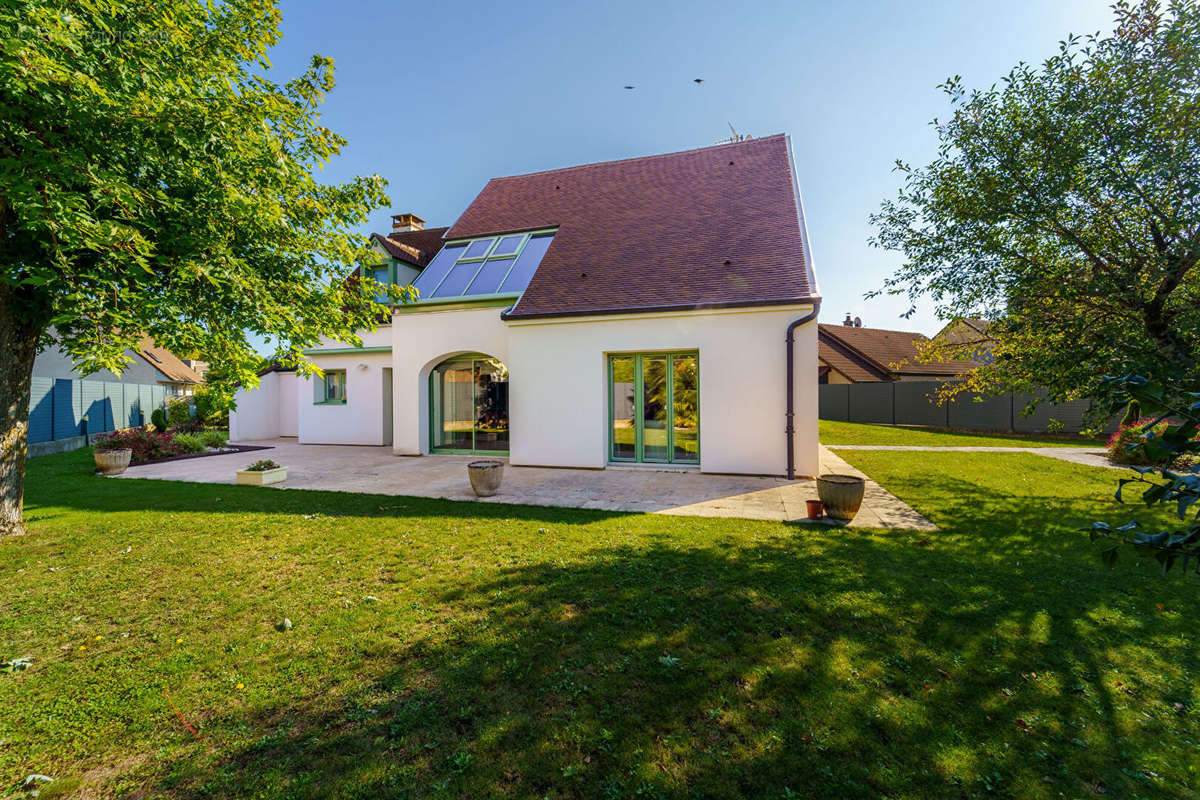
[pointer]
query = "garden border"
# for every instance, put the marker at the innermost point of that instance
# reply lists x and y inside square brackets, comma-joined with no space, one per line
[228,450]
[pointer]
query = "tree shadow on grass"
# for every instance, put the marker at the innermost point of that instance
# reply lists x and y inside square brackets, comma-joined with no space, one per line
[792,667]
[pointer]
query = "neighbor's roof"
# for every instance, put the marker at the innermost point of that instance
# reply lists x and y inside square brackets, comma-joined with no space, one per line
[717,226]
[167,363]
[414,247]
[871,354]
[968,330]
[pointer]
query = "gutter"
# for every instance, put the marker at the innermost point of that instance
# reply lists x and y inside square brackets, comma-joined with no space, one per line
[791,388]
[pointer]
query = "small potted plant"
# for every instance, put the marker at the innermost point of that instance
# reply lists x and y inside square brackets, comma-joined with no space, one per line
[485,476]
[841,494]
[111,455]
[260,473]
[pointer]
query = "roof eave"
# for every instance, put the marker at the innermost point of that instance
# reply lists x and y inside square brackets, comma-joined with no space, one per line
[516,315]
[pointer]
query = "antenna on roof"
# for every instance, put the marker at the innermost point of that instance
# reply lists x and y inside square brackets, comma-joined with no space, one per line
[736,137]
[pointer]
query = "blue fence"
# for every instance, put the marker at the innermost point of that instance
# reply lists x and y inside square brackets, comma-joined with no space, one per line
[57,406]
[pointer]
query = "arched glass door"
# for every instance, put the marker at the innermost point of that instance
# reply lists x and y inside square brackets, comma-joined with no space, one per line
[468,406]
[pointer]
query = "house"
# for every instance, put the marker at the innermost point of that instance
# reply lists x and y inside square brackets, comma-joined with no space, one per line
[148,364]
[971,335]
[657,310]
[850,353]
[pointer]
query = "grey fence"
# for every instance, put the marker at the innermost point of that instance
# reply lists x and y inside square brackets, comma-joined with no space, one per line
[914,403]
[57,407]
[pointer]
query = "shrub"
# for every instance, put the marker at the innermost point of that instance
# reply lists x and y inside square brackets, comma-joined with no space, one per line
[214,438]
[158,418]
[179,413]
[189,443]
[212,407]
[262,466]
[1127,446]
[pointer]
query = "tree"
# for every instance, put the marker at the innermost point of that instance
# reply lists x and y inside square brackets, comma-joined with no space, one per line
[1065,204]
[153,179]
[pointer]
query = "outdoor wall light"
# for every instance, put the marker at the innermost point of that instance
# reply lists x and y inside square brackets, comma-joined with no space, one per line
[362,367]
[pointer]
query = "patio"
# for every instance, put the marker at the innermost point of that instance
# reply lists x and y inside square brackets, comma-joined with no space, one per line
[375,470]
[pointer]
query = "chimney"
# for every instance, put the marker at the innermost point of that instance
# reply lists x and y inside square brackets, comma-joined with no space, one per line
[858,322]
[403,223]
[849,323]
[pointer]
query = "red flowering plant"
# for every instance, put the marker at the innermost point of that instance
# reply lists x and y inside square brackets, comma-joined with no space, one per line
[147,444]
[1170,437]
[1125,446]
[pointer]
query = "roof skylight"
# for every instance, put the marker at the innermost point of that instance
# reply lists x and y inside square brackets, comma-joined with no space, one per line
[491,265]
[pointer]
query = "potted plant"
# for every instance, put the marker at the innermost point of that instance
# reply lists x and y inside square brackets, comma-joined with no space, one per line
[816,509]
[841,494]
[260,473]
[485,476]
[111,455]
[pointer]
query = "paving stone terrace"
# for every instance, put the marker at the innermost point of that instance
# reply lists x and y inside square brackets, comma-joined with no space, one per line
[375,470]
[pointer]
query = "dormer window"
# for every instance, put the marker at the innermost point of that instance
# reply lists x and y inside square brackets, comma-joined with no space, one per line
[485,266]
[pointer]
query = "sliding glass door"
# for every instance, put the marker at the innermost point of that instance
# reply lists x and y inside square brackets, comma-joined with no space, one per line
[654,408]
[468,406]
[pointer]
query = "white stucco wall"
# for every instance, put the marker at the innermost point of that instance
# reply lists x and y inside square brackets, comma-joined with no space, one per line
[558,403]
[361,419]
[258,410]
[421,342]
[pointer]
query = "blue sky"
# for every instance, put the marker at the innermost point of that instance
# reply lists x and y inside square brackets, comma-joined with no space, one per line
[438,97]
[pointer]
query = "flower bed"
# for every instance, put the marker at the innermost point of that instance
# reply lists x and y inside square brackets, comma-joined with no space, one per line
[149,446]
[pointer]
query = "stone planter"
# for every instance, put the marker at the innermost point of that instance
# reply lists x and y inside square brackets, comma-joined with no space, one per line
[261,477]
[841,494]
[485,476]
[112,462]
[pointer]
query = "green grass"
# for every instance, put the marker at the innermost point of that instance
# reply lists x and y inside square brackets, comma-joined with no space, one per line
[835,433]
[476,650]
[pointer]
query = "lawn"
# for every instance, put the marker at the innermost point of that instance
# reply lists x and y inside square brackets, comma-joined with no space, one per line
[835,433]
[466,650]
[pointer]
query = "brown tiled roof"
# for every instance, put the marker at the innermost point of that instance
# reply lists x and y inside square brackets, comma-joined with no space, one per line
[414,247]
[873,354]
[167,363]
[709,227]
[857,370]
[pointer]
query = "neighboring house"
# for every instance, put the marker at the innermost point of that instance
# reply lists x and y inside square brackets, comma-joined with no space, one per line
[603,315]
[971,332]
[852,354]
[148,364]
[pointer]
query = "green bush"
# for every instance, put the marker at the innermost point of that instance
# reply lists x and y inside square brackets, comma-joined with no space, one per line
[158,418]
[179,413]
[214,438]
[189,443]
[212,407]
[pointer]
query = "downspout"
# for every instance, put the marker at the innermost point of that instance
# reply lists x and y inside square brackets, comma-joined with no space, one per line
[791,390]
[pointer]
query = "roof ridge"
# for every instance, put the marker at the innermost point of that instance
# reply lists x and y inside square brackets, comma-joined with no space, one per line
[637,158]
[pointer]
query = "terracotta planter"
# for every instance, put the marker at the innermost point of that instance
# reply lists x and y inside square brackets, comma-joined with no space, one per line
[816,509]
[841,494]
[261,477]
[112,462]
[485,476]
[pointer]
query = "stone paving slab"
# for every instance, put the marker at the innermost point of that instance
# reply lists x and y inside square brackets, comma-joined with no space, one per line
[375,470]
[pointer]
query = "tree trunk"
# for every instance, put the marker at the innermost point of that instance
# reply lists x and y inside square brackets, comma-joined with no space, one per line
[18,348]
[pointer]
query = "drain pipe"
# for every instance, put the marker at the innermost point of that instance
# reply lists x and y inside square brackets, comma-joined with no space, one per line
[791,400]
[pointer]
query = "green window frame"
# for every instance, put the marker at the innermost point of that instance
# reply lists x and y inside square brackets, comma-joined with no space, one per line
[494,241]
[435,407]
[331,388]
[390,266]
[638,410]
